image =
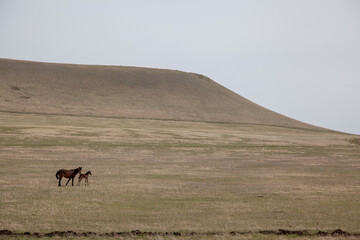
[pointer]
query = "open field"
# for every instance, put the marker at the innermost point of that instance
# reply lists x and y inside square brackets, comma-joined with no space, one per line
[156,175]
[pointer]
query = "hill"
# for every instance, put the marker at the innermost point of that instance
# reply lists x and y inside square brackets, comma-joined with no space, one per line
[198,179]
[128,92]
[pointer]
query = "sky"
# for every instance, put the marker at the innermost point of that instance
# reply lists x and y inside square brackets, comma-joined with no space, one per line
[300,58]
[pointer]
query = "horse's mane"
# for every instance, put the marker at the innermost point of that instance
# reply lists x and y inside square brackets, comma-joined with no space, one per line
[76,169]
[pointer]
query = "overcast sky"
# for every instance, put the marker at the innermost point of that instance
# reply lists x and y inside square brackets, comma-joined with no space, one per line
[298,58]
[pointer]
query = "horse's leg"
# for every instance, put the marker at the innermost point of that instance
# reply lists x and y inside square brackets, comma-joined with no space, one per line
[79,181]
[60,181]
[68,181]
[72,182]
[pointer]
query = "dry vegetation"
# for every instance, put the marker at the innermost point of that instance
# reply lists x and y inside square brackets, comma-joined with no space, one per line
[225,237]
[116,91]
[169,152]
[182,176]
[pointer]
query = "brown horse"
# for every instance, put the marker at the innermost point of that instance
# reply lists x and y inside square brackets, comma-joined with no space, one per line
[70,174]
[86,176]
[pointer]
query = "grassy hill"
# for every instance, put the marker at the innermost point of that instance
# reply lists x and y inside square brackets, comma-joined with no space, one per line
[235,166]
[129,92]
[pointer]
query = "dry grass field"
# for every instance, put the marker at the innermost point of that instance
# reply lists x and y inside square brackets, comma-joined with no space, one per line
[170,152]
[160,175]
[129,92]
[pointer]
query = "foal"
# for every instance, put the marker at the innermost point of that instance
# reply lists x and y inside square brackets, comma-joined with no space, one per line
[86,176]
[70,174]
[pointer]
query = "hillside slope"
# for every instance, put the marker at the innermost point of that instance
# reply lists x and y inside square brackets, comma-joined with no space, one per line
[130,92]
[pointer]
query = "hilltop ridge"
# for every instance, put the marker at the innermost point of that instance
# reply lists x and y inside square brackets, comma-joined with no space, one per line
[128,92]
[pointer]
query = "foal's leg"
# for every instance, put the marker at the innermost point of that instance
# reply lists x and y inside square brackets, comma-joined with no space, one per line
[68,181]
[79,181]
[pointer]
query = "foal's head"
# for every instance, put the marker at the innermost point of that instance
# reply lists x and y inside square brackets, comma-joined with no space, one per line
[88,173]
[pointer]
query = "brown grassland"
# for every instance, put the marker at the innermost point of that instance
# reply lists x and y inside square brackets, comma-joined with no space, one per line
[127,92]
[162,175]
[169,152]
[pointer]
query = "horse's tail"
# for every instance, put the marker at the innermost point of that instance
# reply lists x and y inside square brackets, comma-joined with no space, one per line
[57,174]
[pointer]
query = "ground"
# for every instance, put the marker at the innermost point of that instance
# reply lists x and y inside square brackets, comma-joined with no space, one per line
[155,175]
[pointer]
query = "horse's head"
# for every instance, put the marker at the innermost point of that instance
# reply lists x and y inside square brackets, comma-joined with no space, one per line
[79,169]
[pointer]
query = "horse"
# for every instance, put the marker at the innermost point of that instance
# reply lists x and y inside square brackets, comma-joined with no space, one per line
[70,174]
[86,176]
